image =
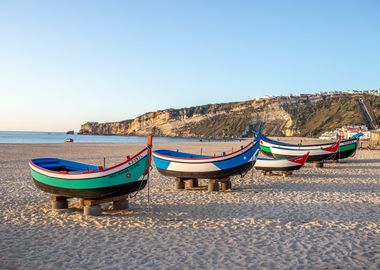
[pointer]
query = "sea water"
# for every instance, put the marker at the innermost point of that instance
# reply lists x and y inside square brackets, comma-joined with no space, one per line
[60,137]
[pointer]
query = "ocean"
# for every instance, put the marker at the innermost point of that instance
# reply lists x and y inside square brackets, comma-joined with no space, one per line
[60,137]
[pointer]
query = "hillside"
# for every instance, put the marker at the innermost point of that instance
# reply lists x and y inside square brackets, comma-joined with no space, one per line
[305,115]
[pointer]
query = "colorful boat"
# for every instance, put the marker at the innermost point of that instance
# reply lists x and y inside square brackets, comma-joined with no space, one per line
[186,165]
[79,180]
[280,164]
[346,149]
[315,154]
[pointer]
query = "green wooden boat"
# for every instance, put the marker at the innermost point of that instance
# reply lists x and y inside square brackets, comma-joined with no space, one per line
[347,148]
[79,180]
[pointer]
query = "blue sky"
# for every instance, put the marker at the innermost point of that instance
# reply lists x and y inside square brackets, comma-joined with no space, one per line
[63,63]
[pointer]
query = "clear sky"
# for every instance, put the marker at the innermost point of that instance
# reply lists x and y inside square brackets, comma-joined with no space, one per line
[63,63]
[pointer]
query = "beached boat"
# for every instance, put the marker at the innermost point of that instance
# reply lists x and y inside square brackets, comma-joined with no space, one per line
[79,180]
[346,148]
[315,154]
[187,165]
[280,164]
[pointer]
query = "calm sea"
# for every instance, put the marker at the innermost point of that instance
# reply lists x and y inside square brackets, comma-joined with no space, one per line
[60,137]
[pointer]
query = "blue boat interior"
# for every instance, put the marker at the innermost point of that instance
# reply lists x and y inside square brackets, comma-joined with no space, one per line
[276,142]
[177,154]
[59,165]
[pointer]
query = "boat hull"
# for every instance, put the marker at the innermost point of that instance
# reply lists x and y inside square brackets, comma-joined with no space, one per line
[347,148]
[274,168]
[186,165]
[291,164]
[63,177]
[209,175]
[93,193]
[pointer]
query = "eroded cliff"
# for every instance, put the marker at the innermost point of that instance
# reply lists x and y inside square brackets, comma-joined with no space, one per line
[290,116]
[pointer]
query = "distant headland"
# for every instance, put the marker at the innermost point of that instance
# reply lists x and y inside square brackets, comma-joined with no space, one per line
[293,115]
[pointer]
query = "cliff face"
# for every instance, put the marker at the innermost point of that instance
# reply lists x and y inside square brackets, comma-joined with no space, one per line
[290,116]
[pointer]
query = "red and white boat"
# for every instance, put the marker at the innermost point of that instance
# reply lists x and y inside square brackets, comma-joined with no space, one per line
[281,164]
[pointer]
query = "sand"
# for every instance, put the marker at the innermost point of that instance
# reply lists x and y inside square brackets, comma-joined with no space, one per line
[326,218]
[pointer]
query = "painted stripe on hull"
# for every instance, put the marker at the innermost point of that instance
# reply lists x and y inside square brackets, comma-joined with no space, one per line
[268,143]
[130,174]
[342,154]
[346,147]
[290,168]
[309,159]
[93,193]
[192,167]
[93,175]
[211,174]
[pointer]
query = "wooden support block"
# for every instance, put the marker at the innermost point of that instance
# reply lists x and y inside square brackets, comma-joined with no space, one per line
[92,202]
[317,164]
[223,185]
[335,161]
[59,202]
[287,173]
[120,204]
[193,183]
[94,210]
[213,185]
[179,184]
[229,184]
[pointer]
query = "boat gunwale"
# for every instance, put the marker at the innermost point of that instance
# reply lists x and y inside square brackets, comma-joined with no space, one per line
[206,159]
[278,143]
[105,172]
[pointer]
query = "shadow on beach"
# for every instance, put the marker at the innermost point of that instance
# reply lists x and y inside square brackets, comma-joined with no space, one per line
[317,187]
[360,161]
[279,211]
[333,175]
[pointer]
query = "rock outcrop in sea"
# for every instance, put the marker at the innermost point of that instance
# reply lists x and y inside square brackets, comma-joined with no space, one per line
[305,115]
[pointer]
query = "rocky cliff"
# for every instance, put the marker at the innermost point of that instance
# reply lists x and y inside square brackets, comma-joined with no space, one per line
[305,115]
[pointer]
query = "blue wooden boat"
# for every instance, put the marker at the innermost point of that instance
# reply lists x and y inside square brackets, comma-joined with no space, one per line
[187,165]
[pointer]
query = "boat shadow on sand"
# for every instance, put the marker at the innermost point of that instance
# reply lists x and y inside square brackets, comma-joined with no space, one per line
[286,186]
[373,160]
[333,175]
[364,167]
[282,212]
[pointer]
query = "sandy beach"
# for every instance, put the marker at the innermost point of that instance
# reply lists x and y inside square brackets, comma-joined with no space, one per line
[325,218]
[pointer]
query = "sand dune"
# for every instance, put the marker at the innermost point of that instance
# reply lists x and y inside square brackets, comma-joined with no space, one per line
[326,218]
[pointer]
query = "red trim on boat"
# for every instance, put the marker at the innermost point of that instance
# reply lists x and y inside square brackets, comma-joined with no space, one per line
[300,160]
[89,172]
[332,148]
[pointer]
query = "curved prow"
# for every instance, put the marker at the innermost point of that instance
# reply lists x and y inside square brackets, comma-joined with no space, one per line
[333,148]
[300,160]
